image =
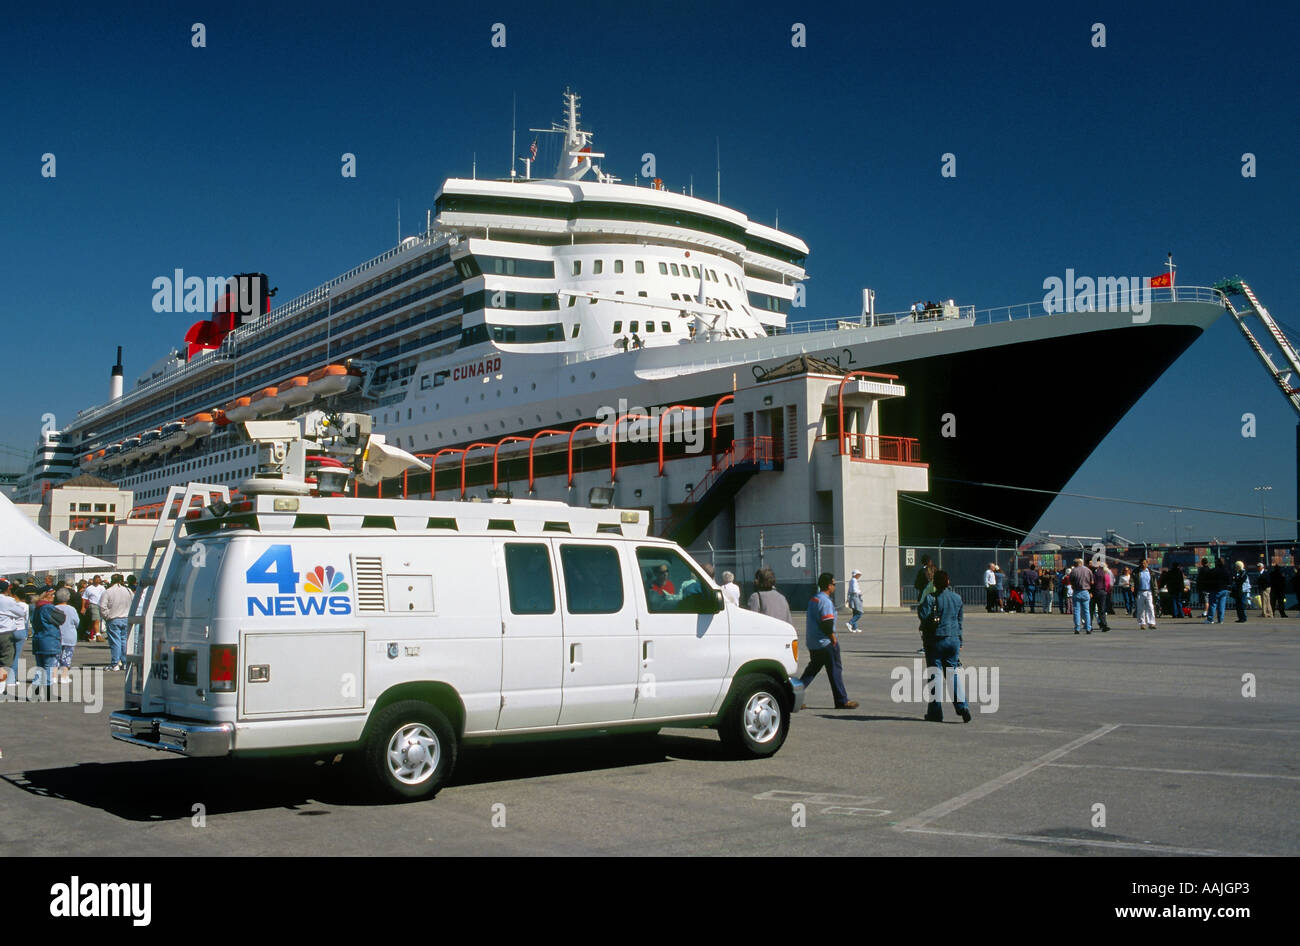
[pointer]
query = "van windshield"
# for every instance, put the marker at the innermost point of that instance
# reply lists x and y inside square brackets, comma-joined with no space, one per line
[190,588]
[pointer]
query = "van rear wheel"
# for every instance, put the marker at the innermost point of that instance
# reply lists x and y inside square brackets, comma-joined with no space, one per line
[757,718]
[411,751]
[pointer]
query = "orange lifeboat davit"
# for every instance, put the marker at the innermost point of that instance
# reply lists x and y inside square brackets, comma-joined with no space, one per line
[240,409]
[330,380]
[265,401]
[294,392]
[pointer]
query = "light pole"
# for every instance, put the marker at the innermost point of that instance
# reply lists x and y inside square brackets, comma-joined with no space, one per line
[1175,512]
[1263,490]
[1140,525]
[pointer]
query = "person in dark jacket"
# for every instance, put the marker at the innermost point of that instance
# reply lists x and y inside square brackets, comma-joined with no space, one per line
[1240,586]
[47,636]
[1277,590]
[941,627]
[1175,584]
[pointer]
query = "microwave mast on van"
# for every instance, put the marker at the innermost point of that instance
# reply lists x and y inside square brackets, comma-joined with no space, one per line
[321,454]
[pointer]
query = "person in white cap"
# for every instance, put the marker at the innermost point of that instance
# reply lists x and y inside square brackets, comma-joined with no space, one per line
[855,602]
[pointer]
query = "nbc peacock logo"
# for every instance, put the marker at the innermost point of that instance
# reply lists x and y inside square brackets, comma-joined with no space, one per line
[324,580]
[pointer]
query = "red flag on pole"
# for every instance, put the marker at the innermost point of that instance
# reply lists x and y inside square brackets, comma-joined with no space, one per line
[1163,281]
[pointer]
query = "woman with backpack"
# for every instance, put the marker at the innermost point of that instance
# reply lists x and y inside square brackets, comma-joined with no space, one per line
[941,627]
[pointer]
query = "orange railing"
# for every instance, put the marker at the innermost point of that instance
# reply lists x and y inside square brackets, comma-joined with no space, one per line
[876,449]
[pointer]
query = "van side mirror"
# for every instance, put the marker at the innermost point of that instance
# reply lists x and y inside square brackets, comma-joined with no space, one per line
[719,605]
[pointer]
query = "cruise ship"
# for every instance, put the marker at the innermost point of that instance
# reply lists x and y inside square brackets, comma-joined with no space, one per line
[534,304]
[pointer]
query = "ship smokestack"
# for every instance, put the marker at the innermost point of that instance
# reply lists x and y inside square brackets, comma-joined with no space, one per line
[115,380]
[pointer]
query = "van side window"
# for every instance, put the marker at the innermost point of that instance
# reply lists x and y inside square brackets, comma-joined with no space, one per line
[593,580]
[528,573]
[671,585]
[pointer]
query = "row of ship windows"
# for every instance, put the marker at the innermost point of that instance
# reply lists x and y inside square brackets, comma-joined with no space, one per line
[159,492]
[223,457]
[545,269]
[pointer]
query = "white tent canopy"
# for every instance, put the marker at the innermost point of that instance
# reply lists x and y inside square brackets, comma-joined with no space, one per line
[27,549]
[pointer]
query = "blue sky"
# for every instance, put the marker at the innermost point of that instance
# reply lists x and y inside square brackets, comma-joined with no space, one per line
[226,159]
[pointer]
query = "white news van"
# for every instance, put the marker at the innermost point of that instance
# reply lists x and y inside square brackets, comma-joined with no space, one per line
[399,629]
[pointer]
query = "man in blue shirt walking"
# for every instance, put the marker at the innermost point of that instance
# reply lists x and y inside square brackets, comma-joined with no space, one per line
[823,648]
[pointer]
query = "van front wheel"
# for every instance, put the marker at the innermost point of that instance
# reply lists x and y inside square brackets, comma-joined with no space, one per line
[757,719]
[411,751]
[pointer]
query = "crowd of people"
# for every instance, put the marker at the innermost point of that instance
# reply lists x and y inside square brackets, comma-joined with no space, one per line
[1091,592]
[49,619]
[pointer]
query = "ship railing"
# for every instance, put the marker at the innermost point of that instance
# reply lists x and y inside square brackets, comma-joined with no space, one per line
[201,362]
[1111,301]
[1128,300]
[321,292]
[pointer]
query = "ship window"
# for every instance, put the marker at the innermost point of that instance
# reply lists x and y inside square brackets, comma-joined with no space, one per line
[663,269]
[598,267]
[425,383]
[618,266]
[649,325]
[635,325]
[640,266]
[618,326]
[592,301]
[676,271]
[573,300]
[575,330]
[577,267]
[666,326]
[618,292]
[674,296]
[695,271]
[641,293]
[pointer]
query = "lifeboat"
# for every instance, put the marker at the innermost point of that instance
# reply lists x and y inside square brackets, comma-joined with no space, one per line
[265,401]
[88,462]
[294,392]
[240,409]
[174,436]
[200,425]
[330,380]
[150,442]
[113,455]
[130,449]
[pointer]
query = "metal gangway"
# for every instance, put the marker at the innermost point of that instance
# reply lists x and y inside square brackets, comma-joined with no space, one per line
[1283,375]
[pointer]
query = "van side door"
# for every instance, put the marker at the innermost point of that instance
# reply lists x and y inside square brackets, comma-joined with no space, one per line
[685,640]
[532,635]
[600,634]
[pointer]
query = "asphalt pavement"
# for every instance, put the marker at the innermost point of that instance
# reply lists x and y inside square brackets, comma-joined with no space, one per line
[1177,741]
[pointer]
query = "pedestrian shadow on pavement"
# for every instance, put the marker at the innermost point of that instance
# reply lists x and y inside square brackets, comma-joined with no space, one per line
[167,789]
[840,717]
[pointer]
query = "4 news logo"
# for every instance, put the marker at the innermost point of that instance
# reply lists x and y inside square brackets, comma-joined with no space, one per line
[324,588]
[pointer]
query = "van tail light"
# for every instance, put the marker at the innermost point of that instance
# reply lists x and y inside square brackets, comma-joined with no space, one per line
[221,668]
[794,646]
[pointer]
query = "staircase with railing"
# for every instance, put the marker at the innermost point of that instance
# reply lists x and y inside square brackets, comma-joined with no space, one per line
[735,466]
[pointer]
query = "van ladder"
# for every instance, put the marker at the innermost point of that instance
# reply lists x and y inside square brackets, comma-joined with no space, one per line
[138,656]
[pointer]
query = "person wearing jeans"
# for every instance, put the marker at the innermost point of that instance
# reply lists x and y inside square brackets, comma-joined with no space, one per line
[941,627]
[115,606]
[823,648]
[1081,581]
[1145,583]
[855,601]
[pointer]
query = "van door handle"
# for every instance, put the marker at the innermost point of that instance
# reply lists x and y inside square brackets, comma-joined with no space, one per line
[575,655]
[647,651]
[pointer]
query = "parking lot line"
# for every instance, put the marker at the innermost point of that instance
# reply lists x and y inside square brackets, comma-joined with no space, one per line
[1285,732]
[1139,768]
[988,788]
[1084,842]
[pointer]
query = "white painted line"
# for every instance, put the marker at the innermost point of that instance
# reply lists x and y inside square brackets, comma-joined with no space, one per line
[1138,768]
[869,812]
[1084,842]
[988,788]
[818,798]
[1286,732]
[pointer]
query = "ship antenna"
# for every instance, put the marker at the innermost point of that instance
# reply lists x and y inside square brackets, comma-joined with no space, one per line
[399,220]
[514,104]
[718,144]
